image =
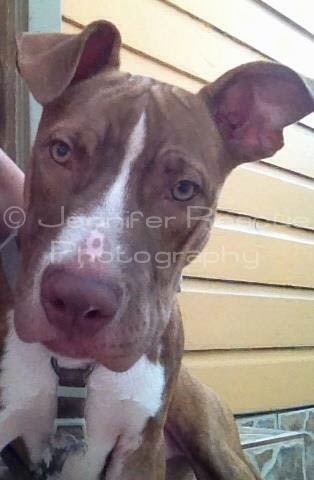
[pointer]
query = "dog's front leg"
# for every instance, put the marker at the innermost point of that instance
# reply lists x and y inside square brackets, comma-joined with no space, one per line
[204,430]
[147,462]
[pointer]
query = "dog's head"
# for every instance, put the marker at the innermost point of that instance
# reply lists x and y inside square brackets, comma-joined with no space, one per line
[122,186]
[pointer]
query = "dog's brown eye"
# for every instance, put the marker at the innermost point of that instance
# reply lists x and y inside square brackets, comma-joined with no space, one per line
[60,151]
[185,190]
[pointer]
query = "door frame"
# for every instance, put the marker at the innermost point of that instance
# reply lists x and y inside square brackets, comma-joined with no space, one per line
[14,112]
[19,112]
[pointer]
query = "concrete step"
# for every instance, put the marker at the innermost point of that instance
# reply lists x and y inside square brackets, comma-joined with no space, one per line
[276,454]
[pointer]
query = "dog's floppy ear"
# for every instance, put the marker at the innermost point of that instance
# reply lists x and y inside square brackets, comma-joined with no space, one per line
[253,103]
[50,62]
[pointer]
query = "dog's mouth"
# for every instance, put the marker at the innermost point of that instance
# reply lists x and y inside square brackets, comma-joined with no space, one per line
[117,348]
[116,338]
[118,358]
[69,348]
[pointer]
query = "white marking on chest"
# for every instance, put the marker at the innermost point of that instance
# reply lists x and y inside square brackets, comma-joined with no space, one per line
[117,407]
[28,386]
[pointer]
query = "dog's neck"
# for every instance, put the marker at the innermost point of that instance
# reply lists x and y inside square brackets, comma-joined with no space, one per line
[116,402]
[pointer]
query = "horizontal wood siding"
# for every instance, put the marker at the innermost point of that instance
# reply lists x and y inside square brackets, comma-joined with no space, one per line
[257,27]
[247,303]
[243,316]
[257,380]
[253,251]
[300,12]
[263,192]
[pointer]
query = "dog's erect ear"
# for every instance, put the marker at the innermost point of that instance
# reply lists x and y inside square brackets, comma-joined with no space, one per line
[253,103]
[51,62]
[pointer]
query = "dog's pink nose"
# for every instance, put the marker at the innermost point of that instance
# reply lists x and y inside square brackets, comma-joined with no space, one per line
[78,302]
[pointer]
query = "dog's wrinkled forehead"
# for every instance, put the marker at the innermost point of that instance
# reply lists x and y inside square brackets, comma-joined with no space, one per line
[113,102]
[249,105]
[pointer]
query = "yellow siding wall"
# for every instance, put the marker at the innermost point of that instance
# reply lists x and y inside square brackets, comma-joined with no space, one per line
[248,302]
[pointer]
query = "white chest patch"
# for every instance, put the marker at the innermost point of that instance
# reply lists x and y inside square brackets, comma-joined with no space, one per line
[117,407]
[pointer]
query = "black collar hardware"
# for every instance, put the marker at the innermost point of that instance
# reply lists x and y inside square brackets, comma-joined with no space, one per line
[69,433]
[71,398]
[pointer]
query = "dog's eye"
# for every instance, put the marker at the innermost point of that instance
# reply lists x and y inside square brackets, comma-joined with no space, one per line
[60,151]
[185,190]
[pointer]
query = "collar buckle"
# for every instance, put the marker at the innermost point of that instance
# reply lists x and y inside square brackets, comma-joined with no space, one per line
[69,429]
[71,399]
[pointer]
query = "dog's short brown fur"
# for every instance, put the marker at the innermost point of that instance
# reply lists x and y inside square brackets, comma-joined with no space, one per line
[108,118]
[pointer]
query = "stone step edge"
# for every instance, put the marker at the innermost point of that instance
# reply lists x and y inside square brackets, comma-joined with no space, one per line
[255,437]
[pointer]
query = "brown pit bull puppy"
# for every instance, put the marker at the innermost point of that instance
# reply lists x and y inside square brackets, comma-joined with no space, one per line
[118,165]
[211,425]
